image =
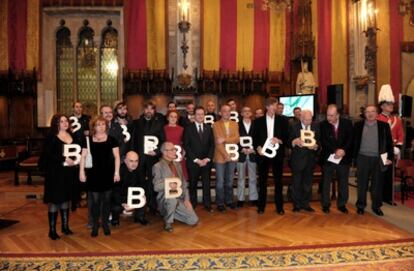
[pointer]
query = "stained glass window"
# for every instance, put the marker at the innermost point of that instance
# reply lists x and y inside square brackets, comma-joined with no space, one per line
[64,69]
[87,67]
[87,73]
[109,64]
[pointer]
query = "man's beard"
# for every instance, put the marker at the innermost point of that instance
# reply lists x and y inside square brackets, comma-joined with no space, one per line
[148,116]
[122,116]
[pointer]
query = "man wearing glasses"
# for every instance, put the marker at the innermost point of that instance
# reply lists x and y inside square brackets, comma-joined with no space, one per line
[173,198]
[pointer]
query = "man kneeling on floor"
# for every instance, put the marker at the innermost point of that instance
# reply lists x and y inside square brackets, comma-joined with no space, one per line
[173,197]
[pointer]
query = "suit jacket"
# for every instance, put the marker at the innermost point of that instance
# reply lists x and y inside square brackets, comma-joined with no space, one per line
[384,138]
[300,155]
[330,144]
[195,147]
[243,132]
[280,130]
[141,128]
[160,171]
[232,137]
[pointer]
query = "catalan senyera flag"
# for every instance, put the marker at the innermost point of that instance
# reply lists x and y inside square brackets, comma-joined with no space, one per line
[330,28]
[19,34]
[146,34]
[239,34]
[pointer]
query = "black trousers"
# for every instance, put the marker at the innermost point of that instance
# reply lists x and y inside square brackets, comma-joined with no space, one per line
[194,174]
[263,164]
[387,189]
[302,183]
[342,174]
[145,174]
[369,167]
[117,208]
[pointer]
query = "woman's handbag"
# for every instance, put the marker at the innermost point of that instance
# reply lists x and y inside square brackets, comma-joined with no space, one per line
[88,160]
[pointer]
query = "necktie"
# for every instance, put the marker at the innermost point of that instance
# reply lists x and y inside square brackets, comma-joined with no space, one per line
[335,132]
[200,131]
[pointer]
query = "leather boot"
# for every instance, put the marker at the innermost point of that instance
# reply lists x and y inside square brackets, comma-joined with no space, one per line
[64,213]
[95,228]
[52,225]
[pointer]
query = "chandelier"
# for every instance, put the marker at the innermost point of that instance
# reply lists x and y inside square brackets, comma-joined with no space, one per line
[277,5]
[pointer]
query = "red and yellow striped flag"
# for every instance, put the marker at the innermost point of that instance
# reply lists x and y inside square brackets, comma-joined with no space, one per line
[239,34]
[146,34]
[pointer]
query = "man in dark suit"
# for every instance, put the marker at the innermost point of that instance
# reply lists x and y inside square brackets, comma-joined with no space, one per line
[303,161]
[149,124]
[274,129]
[199,148]
[336,141]
[83,120]
[373,152]
[247,158]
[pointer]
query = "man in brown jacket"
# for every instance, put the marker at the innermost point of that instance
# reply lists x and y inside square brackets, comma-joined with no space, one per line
[225,132]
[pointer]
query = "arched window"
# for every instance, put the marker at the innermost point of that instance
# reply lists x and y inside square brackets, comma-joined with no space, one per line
[64,69]
[88,74]
[109,64]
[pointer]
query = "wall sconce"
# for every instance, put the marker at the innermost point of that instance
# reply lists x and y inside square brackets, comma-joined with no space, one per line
[184,26]
[368,21]
[406,7]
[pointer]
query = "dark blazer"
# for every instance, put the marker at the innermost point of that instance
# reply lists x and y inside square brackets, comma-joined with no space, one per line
[384,138]
[330,144]
[141,128]
[299,156]
[194,147]
[280,130]
[243,132]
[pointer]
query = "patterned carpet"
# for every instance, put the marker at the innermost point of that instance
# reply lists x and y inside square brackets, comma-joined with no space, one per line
[388,255]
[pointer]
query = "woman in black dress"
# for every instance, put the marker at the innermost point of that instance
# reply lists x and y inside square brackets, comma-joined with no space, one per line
[104,172]
[60,174]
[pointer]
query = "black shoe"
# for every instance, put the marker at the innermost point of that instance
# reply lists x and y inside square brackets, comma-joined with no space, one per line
[209,209]
[309,209]
[296,209]
[94,231]
[53,235]
[141,220]
[253,202]
[260,211]
[325,210]
[240,204]
[343,209]
[106,230]
[221,208]
[168,227]
[360,211]
[378,212]
[115,223]
[231,206]
[280,212]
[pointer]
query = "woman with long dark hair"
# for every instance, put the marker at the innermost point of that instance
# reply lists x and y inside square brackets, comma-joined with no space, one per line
[60,174]
[104,172]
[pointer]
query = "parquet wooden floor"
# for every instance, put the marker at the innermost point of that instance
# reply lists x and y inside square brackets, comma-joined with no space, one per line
[242,228]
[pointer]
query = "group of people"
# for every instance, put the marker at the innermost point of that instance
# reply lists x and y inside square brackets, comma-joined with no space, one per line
[168,155]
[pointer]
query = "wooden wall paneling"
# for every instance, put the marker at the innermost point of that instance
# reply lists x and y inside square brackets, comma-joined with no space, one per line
[4,118]
[22,116]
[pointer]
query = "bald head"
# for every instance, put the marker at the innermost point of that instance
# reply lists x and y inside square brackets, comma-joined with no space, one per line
[131,160]
[306,117]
